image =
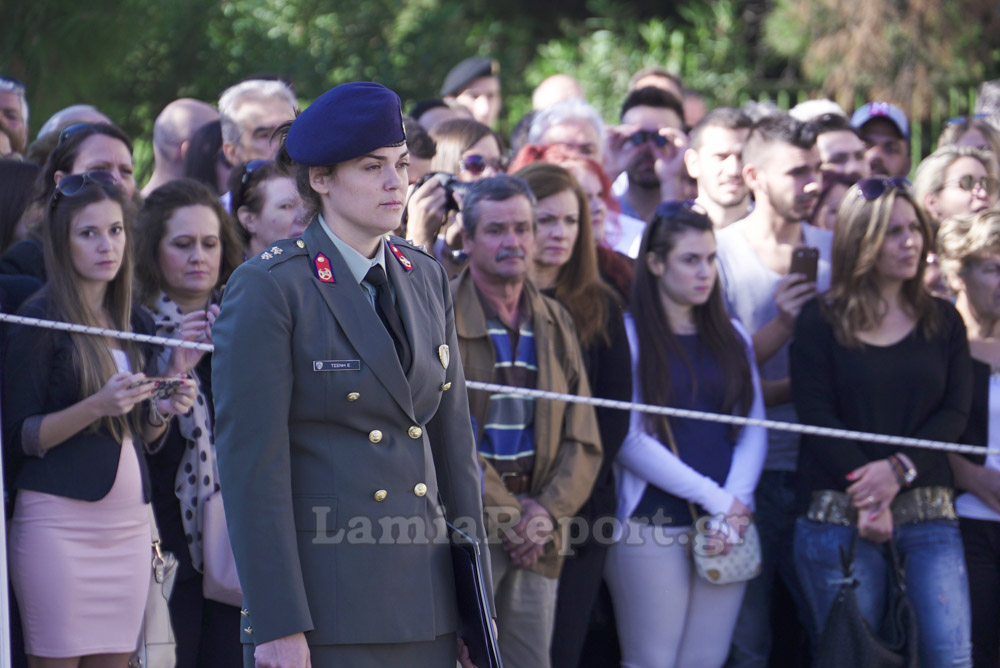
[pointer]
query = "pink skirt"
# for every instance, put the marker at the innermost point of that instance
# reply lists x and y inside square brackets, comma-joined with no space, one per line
[80,569]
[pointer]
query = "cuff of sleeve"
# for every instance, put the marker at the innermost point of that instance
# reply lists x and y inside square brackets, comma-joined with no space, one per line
[717,501]
[31,442]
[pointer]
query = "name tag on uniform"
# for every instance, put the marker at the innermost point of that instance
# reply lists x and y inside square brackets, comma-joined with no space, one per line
[337,365]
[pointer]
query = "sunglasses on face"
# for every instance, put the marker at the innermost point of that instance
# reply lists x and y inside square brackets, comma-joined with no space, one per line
[73,185]
[477,164]
[968,183]
[872,189]
[640,137]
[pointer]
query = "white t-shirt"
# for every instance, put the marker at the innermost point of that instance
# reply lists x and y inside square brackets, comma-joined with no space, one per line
[968,504]
[748,286]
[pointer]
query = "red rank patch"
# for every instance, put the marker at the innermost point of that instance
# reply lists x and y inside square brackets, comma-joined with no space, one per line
[407,265]
[323,270]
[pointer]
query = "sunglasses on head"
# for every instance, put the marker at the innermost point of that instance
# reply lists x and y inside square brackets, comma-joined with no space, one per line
[961,119]
[11,84]
[968,183]
[248,169]
[640,137]
[72,130]
[73,185]
[477,164]
[874,188]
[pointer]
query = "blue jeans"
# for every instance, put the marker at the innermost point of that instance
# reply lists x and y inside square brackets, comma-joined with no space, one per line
[936,581]
[775,516]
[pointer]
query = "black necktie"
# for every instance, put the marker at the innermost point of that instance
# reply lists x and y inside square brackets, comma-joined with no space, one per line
[388,315]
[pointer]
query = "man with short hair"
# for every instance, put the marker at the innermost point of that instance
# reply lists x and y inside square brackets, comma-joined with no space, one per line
[649,147]
[475,84]
[172,131]
[886,133]
[715,161]
[781,168]
[657,77]
[554,89]
[250,112]
[572,123]
[841,148]
[14,114]
[539,458]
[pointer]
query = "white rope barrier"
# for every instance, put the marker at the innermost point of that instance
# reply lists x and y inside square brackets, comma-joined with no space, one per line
[900,441]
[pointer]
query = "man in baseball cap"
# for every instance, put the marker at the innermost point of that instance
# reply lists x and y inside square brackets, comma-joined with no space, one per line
[886,132]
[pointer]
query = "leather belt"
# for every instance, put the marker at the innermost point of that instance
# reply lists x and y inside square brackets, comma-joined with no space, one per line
[913,505]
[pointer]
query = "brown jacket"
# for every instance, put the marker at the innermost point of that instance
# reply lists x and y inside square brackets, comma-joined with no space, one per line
[567,444]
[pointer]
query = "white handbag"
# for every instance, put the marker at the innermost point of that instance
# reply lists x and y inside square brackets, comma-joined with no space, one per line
[156,646]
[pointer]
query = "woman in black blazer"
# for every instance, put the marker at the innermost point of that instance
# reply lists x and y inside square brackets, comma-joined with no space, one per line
[75,419]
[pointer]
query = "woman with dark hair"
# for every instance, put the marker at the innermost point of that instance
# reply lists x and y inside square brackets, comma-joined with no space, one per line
[686,353]
[338,402]
[186,249]
[205,161]
[75,418]
[82,147]
[605,219]
[565,268]
[877,353]
[969,249]
[266,204]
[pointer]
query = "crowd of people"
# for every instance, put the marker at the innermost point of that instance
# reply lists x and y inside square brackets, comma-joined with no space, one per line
[354,267]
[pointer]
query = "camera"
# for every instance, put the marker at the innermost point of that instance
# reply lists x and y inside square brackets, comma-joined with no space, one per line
[451,185]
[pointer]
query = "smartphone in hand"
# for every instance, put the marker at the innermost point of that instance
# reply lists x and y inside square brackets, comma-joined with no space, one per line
[805,260]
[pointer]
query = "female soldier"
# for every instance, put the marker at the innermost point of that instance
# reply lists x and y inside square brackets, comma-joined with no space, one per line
[342,421]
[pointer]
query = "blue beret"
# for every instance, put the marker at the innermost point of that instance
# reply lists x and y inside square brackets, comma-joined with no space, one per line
[466,72]
[344,123]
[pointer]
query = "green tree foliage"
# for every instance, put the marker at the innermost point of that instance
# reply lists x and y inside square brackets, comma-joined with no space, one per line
[910,53]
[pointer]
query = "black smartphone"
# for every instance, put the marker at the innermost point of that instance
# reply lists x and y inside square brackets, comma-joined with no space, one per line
[805,260]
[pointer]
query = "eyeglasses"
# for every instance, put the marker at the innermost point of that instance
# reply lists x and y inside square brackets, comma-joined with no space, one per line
[73,185]
[72,130]
[962,119]
[968,183]
[640,137]
[13,85]
[872,189]
[476,164]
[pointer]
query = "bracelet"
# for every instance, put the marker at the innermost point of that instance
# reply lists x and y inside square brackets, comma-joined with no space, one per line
[160,418]
[905,472]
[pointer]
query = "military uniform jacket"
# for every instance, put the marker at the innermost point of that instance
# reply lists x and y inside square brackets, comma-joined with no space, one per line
[567,440]
[324,442]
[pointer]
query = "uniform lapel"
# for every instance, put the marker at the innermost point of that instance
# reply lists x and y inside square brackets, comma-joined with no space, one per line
[356,317]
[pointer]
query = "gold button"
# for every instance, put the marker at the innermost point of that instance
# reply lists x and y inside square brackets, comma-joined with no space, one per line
[249,630]
[374,436]
[245,612]
[353,396]
[415,432]
[381,494]
[300,243]
[445,386]
[420,489]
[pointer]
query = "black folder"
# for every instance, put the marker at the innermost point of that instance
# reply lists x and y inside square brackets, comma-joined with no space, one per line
[475,622]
